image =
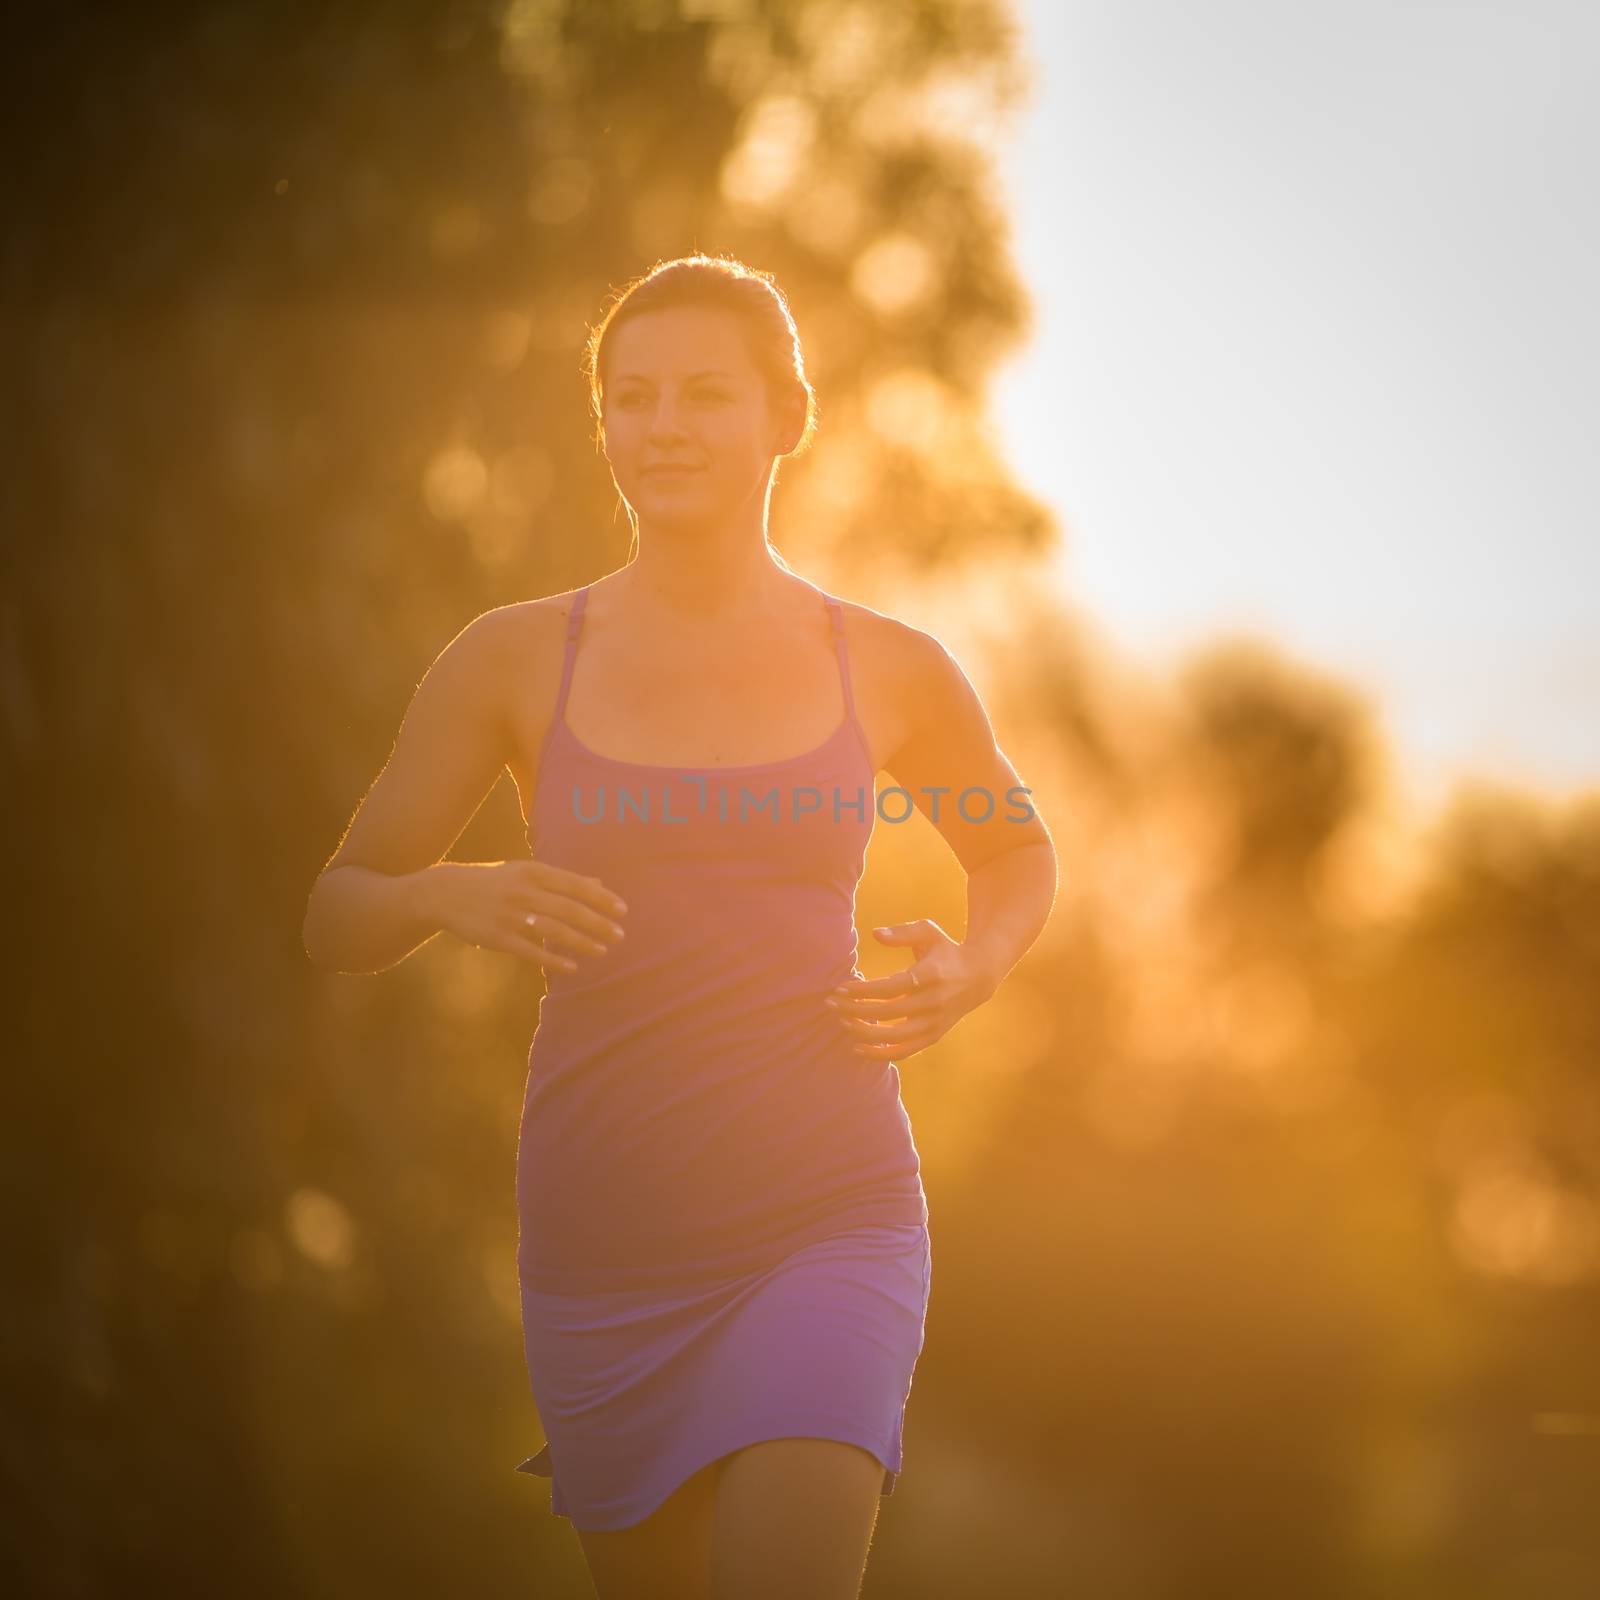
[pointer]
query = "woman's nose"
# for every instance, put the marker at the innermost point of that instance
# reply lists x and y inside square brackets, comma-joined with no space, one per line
[665,422]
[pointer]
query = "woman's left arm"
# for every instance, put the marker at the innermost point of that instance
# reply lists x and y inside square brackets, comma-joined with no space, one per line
[950,767]
[1009,900]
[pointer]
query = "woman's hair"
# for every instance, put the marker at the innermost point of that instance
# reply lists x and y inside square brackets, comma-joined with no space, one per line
[718,283]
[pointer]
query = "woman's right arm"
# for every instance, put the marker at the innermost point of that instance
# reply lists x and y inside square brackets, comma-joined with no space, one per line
[387,889]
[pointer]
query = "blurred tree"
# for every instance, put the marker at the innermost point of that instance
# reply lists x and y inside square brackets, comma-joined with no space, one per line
[1279,1262]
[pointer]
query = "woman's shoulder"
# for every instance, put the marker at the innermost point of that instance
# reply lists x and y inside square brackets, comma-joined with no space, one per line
[508,647]
[899,645]
[521,626]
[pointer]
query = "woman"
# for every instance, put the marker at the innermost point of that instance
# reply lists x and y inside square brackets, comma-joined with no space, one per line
[724,1252]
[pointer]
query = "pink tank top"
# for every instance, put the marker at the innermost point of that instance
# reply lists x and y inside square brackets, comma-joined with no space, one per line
[693,1106]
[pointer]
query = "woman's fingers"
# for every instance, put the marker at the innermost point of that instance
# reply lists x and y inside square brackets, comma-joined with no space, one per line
[556,933]
[571,925]
[563,942]
[527,944]
[588,893]
[580,926]
[884,1032]
[560,915]
[910,1003]
[886,1016]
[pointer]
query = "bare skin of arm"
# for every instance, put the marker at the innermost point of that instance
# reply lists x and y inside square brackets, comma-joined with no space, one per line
[387,890]
[1002,843]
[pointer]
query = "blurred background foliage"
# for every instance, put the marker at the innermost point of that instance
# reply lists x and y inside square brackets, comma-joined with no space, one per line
[1264,1195]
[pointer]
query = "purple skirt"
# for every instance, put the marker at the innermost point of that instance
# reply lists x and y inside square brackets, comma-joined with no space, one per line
[639,1389]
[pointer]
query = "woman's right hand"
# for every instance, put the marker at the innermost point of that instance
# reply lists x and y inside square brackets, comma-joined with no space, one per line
[486,904]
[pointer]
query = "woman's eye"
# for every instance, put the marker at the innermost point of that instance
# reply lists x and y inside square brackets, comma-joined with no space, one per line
[631,402]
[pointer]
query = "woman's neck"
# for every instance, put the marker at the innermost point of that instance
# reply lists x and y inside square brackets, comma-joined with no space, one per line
[704,576]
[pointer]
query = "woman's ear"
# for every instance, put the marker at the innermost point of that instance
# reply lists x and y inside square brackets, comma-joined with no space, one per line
[790,424]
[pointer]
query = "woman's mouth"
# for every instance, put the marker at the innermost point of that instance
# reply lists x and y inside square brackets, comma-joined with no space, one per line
[674,471]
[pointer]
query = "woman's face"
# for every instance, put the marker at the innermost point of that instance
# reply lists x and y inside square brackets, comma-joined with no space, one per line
[682,392]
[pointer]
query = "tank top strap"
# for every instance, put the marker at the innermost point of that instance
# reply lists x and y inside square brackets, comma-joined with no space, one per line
[836,621]
[574,624]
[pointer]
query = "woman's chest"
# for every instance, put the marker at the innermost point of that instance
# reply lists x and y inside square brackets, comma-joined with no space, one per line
[729,715]
[808,820]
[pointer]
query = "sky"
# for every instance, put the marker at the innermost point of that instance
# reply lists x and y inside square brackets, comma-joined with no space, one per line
[1316,351]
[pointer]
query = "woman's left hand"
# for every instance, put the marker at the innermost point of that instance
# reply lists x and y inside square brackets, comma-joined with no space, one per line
[894,1017]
